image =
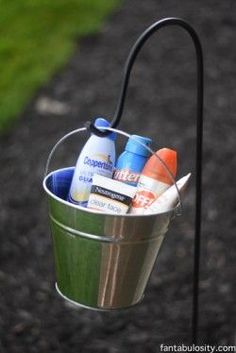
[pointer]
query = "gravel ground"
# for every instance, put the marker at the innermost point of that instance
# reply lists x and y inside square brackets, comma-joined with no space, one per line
[161,104]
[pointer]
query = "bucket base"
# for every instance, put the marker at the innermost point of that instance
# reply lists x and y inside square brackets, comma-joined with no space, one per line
[92,307]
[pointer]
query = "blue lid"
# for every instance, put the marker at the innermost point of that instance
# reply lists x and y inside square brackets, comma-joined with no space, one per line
[134,146]
[101,122]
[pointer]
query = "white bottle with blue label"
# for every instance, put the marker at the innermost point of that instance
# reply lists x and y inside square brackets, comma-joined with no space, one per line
[97,157]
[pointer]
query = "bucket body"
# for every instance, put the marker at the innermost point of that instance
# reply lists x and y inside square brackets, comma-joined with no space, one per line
[102,261]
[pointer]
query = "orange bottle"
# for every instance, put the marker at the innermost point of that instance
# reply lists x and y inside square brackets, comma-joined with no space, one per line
[154,179]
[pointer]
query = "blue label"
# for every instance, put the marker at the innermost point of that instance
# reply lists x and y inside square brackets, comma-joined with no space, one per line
[128,168]
[98,164]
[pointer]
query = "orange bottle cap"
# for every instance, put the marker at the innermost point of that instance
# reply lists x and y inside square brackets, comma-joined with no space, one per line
[155,169]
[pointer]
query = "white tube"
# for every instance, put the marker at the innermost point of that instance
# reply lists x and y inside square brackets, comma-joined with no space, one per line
[169,198]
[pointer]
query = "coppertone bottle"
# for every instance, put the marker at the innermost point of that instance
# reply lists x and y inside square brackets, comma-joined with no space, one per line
[97,157]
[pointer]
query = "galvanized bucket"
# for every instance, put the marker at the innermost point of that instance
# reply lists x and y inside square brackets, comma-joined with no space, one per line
[102,261]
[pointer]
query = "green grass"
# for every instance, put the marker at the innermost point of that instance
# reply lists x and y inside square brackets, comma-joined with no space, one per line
[36,39]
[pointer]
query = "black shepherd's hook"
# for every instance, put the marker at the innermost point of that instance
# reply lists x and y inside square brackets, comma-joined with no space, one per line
[199,132]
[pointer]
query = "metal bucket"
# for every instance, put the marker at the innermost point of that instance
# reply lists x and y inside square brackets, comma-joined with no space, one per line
[102,261]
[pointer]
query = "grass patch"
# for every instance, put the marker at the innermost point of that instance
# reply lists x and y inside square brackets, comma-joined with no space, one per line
[37,37]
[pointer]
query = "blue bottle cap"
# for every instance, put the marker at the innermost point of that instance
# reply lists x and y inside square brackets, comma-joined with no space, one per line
[134,146]
[101,122]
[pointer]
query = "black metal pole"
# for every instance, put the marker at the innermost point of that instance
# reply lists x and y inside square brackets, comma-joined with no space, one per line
[199,137]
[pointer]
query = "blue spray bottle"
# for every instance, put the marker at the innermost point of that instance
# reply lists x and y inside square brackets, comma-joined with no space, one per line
[131,162]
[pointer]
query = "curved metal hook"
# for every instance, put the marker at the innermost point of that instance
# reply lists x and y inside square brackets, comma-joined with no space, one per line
[132,57]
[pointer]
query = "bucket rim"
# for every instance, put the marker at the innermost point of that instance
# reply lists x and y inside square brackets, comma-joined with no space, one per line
[94,308]
[90,211]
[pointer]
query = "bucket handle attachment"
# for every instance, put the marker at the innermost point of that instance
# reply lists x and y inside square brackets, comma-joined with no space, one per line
[170,21]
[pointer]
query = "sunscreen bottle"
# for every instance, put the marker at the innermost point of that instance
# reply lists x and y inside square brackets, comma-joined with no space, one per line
[97,156]
[169,199]
[154,179]
[131,162]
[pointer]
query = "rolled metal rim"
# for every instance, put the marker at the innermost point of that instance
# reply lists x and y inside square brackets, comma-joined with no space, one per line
[87,210]
[95,308]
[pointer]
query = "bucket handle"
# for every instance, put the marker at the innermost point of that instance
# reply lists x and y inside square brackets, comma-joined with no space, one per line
[178,210]
[57,144]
